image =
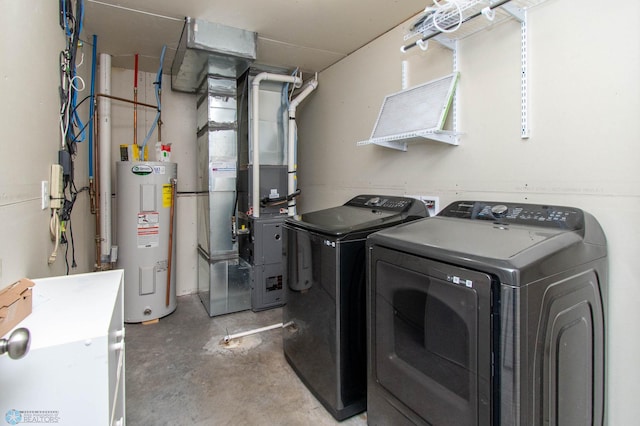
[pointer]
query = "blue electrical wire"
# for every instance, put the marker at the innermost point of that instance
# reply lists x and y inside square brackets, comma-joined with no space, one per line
[158,84]
[75,118]
[67,31]
[80,11]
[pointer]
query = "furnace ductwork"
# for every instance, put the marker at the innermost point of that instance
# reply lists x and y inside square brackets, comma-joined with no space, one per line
[206,48]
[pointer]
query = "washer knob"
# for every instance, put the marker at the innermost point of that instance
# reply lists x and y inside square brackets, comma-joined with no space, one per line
[499,210]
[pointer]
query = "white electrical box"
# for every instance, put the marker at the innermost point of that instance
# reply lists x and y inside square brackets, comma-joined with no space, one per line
[73,373]
[56,186]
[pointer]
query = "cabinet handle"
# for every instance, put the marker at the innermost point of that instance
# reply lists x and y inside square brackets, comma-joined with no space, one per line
[17,345]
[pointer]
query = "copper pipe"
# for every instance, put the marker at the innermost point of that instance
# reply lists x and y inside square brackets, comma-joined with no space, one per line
[92,196]
[135,116]
[96,163]
[126,100]
[171,214]
[92,180]
[135,103]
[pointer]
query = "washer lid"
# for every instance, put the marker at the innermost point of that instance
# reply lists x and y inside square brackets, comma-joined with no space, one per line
[471,239]
[363,213]
[342,220]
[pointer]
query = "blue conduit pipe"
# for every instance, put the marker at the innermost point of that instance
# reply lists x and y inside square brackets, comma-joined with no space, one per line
[158,84]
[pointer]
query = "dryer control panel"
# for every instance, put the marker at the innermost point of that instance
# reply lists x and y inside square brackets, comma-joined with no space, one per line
[569,218]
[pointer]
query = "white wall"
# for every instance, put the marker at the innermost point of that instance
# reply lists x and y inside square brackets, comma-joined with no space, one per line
[583,149]
[30,140]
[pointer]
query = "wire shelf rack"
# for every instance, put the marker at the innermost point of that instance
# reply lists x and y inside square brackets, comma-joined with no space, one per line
[429,24]
[448,21]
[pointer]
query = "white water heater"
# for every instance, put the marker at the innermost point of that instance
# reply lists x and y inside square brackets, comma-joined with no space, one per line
[145,195]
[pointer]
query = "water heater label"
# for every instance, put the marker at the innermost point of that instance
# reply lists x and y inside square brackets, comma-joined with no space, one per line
[166,195]
[148,229]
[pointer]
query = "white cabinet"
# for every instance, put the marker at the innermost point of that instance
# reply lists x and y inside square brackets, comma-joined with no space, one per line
[74,371]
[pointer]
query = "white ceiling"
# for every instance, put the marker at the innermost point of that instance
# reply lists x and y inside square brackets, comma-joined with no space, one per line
[309,34]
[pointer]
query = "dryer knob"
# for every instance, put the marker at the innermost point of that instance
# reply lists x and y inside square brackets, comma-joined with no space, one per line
[499,210]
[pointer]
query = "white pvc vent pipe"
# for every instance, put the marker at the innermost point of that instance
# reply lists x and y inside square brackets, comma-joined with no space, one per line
[229,337]
[292,148]
[255,131]
[104,111]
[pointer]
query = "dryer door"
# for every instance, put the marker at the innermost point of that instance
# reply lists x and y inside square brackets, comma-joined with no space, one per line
[431,337]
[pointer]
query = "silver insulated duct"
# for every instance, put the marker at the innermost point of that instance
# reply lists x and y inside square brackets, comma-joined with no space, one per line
[207,48]
[209,60]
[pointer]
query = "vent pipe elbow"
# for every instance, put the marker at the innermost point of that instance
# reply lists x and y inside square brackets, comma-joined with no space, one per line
[310,87]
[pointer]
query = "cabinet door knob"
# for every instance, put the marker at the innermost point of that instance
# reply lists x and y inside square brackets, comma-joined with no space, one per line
[17,345]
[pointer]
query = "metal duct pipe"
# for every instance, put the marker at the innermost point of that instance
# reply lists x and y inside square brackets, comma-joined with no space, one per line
[104,110]
[292,148]
[255,130]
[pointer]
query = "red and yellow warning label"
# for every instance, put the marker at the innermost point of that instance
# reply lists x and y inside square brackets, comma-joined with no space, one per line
[148,229]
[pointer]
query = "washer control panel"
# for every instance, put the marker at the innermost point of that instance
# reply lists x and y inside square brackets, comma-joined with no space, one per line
[522,214]
[381,202]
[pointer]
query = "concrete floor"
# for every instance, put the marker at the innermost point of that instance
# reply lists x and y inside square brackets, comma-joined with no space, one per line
[177,373]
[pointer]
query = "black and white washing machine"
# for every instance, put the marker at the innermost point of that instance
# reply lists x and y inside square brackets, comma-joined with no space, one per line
[488,314]
[324,258]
